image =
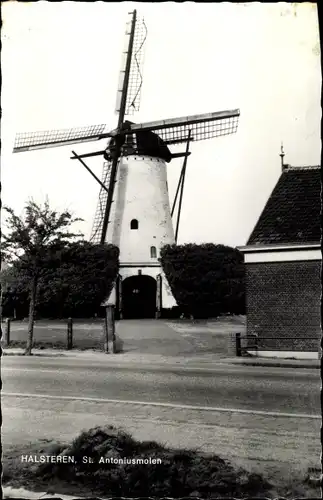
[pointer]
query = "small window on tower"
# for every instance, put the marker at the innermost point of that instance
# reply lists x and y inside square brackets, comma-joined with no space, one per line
[153,252]
[134,224]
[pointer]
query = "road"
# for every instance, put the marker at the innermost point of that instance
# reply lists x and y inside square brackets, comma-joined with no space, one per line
[241,412]
[228,386]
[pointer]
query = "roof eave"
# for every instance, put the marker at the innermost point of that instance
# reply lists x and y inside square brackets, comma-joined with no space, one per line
[278,247]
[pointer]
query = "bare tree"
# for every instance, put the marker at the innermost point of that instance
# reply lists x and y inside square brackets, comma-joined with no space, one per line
[32,240]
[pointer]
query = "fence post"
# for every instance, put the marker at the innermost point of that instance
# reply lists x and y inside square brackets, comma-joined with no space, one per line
[69,334]
[256,344]
[106,332]
[7,332]
[238,344]
[111,326]
[114,340]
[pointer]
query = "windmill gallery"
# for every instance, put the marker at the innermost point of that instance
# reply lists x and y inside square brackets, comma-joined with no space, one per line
[134,211]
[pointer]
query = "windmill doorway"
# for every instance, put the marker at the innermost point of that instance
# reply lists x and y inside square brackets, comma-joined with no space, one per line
[139,297]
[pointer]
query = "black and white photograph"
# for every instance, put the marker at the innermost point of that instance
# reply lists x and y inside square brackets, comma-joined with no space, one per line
[160,304]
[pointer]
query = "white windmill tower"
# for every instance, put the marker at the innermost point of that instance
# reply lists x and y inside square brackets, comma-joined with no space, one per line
[134,210]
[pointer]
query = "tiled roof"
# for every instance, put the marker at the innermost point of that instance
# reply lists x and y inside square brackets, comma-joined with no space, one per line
[292,213]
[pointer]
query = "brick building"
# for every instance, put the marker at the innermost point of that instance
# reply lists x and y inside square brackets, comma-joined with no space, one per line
[283,267]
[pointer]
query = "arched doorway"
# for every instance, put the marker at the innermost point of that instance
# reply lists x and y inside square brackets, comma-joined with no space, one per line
[139,297]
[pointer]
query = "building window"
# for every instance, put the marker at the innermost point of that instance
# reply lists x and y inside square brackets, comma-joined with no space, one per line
[153,252]
[134,224]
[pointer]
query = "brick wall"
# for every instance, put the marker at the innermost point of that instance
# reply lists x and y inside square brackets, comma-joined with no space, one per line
[283,301]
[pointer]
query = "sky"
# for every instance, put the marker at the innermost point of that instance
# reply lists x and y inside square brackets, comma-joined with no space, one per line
[60,68]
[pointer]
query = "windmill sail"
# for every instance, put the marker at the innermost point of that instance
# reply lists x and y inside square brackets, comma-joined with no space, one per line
[172,131]
[27,141]
[136,67]
[101,206]
[201,127]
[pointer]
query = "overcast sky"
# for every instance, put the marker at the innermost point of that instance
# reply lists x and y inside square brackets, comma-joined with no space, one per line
[60,66]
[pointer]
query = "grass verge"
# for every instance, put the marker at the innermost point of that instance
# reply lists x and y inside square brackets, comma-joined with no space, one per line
[57,345]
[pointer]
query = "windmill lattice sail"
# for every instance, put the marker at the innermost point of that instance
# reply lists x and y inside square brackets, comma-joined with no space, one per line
[201,127]
[171,130]
[101,206]
[43,139]
[136,68]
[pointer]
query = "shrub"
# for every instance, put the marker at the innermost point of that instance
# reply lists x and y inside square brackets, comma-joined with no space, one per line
[77,279]
[174,312]
[206,280]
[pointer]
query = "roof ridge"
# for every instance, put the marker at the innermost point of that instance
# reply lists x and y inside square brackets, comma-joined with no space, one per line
[301,167]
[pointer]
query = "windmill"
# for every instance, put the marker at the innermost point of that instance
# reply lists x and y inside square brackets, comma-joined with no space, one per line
[133,210]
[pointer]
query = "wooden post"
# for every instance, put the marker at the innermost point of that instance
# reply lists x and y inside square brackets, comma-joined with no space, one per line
[7,332]
[256,344]
[158,296]
[114,340]
[106,332]
[119,298]
[69,334]
[111,326]
[238,344]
